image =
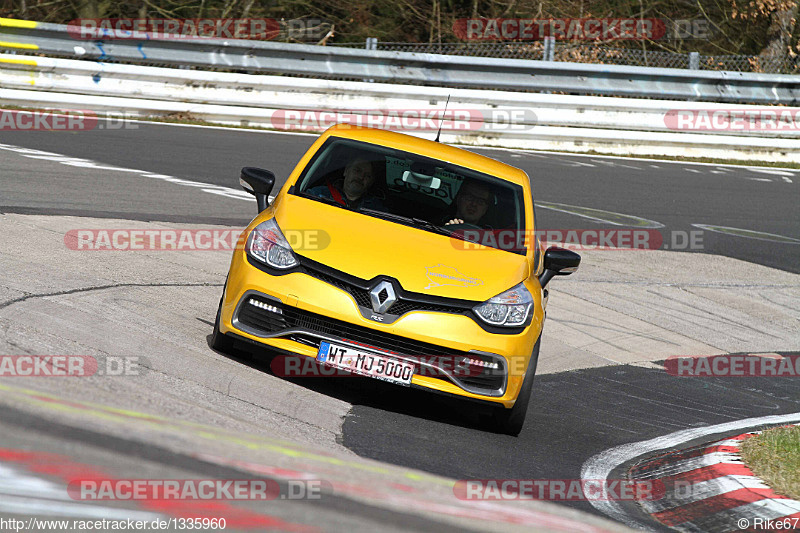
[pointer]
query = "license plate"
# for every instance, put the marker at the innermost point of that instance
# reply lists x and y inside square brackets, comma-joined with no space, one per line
[365,363]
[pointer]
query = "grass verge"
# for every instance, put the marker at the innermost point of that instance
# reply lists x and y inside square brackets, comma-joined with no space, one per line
[774,456]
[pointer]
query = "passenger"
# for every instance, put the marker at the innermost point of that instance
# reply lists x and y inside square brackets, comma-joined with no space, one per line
[472,203]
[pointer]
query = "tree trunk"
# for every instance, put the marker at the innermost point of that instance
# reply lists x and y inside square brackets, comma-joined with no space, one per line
[779,35]
[247,7]
[90,9]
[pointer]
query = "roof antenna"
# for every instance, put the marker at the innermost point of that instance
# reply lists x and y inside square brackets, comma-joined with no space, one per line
[442,121]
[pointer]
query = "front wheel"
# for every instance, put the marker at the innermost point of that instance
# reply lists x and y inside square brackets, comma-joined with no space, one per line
[219,341]
[510,421]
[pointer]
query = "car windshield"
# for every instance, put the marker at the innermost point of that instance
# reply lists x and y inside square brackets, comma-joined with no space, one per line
[415,190]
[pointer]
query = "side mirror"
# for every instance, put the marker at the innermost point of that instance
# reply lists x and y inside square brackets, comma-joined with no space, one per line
[558,262]
[259,183]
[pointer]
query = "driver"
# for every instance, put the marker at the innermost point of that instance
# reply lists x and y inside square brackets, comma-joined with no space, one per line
[354,190]
[472,202]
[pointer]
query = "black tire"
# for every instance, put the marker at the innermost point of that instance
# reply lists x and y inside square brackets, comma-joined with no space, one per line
[219,341]
[510,421]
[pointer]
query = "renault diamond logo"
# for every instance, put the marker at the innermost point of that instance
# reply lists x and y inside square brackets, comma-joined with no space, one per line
[382,297]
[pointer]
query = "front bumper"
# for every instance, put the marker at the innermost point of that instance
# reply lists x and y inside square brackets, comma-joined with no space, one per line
[293,312]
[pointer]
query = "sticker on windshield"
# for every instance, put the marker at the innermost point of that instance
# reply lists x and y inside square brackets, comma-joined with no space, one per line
[440,275]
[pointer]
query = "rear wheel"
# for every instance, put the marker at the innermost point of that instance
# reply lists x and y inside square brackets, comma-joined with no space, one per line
[510,421]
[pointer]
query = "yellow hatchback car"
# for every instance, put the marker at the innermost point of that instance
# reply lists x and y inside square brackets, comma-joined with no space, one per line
[398,258]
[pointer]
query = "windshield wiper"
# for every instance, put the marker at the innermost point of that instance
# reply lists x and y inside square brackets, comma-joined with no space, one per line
[413,221]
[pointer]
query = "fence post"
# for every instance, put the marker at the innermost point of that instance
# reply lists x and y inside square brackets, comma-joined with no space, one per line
[694,60]
[371,44]
[549,52]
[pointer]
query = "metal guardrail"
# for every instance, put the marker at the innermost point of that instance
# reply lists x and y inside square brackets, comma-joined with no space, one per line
[620,126]
[368,99]
[408,68]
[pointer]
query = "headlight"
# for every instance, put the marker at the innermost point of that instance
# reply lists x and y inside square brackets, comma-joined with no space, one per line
[267,244]
[510,308]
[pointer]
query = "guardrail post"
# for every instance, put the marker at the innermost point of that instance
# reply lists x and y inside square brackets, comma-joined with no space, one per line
[694,60]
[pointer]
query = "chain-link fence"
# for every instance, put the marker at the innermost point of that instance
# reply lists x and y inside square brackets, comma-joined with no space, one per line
[584,53]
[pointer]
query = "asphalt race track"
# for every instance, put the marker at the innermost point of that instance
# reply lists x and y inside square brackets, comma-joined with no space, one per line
[575,416]
[127,177]
[676,195]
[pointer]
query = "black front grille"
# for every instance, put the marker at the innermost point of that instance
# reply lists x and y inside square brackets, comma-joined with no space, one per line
[294,318]
[360,294]
[278,317]
[472,376]
[404,306]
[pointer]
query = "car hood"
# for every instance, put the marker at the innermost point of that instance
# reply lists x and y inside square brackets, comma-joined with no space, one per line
[423,262]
